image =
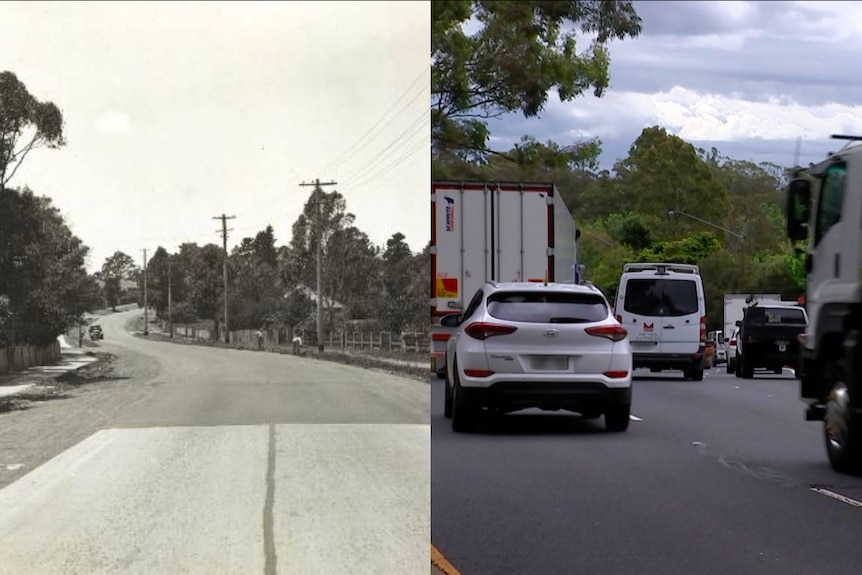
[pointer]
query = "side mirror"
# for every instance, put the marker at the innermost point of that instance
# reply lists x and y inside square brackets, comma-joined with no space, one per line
[450,320]
[798,209]
[738,323]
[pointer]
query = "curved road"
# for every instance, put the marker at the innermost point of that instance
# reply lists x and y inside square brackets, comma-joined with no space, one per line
[187,459]
[714,477]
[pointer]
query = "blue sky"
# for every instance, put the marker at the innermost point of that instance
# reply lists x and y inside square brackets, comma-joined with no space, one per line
[746,77]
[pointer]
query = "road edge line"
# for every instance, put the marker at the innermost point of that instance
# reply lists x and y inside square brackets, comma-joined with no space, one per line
[837,496]
[442,563]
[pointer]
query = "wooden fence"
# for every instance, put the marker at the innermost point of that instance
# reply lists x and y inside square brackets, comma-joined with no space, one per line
[20,357]
[357,340]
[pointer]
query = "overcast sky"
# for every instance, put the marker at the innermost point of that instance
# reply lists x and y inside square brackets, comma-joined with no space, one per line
[745,77]
[177,112]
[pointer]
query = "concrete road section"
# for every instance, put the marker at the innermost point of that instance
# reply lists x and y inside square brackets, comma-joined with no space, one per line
[182,459]
[713,477]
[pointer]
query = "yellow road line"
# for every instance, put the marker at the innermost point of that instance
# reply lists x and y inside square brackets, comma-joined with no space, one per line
[442,563]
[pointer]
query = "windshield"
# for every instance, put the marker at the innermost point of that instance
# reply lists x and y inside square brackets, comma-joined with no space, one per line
[661,297]
[788,316]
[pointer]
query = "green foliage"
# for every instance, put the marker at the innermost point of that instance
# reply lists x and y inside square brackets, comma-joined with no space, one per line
[25,119]
[688,250]
[523,50]
[115,269]
[44,285]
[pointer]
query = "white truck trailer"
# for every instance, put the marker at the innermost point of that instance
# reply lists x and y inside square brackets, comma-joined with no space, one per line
[494,231]
[735,304]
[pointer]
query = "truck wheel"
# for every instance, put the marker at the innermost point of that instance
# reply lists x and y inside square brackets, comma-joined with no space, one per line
[842,430]
[617,417]
[463,410]
[447,401]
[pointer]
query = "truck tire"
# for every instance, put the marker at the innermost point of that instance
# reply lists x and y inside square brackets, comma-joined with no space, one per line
[463,410]
[617,417]
[842,431]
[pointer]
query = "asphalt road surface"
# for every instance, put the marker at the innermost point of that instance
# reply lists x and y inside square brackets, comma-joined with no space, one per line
[714,477]
[192,460]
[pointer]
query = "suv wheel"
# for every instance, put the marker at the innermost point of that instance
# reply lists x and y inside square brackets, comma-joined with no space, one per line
[617,417]
[746,369]
[447,401]
[463,410]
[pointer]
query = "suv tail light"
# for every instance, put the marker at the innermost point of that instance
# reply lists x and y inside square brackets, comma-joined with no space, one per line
[733,341]
[611,332]
[702,328]
[482,330]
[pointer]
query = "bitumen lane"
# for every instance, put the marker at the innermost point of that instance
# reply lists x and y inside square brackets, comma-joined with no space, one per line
[712,477]
[227,461]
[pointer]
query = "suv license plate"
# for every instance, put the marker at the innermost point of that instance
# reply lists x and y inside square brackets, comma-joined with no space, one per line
[550,363]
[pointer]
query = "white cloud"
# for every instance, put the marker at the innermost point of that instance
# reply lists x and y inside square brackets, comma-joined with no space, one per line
[696,116]
[113,123]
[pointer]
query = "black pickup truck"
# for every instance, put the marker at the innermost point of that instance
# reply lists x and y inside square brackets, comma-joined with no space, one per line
[769,338]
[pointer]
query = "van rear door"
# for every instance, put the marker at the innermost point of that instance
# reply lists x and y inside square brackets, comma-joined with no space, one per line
[663,314]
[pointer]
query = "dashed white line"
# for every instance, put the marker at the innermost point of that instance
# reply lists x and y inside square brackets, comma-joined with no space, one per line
[635,418]
[838,496]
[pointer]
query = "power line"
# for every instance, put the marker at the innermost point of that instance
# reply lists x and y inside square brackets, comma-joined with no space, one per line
[345,154]
[420,145]
[411,129]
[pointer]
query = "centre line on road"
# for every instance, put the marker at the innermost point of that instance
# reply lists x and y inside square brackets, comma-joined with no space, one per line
[442,563]
[635,418]
[838,496]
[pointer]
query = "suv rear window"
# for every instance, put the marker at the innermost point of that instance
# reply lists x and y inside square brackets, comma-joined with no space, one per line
[661,297]
[766,315]
[547,307]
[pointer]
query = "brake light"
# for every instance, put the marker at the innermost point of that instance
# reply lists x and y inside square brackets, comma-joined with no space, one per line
[482,330]
[703,328]
[616,374]
[611,332]
[733,341]
[478,372]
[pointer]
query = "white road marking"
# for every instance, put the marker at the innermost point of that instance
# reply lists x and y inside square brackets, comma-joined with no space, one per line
[838,496]
[346,499]
[635,418]
[13,466]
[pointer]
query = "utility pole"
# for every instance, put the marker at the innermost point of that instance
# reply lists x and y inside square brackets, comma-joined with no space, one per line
[170,313]
[146,316]
[223,233]
[318,190]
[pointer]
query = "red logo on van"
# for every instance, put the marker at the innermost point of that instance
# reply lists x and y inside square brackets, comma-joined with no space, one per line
[648,326]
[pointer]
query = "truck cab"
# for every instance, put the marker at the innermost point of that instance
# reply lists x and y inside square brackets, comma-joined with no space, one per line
[823,207]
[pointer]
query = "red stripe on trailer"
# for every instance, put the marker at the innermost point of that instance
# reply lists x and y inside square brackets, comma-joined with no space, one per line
[433,256]
[550,271]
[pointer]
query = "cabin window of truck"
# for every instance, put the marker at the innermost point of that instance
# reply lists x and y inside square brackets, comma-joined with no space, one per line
[830,200]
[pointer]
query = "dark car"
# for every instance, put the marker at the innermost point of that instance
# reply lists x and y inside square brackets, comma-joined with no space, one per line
[769,338]
[95,332]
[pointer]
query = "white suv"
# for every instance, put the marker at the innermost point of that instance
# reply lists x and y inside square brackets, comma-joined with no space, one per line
[551,346]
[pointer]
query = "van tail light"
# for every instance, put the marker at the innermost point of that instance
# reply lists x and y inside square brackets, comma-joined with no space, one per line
[703,328]
[482,330]
[611,332]
[616,374]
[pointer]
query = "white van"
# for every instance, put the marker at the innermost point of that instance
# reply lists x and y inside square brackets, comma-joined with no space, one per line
[662,307]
